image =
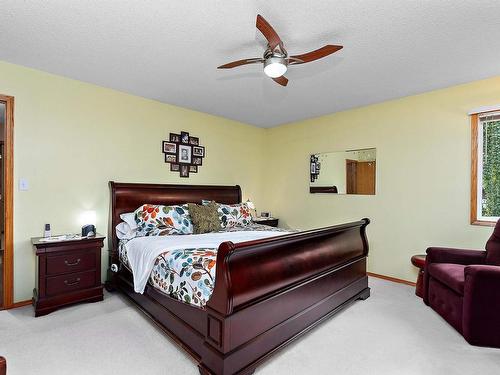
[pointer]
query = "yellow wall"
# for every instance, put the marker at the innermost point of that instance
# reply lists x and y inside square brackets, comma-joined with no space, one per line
[71,138]
[423,173]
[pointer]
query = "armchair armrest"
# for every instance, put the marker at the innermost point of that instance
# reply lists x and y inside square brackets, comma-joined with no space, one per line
[456,256]
[448,255]
[481,308]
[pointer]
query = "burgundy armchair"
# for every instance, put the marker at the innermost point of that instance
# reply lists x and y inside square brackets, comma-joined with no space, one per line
[463,286]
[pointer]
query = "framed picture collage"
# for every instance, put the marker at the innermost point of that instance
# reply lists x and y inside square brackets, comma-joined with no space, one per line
[184,153]
[315,167]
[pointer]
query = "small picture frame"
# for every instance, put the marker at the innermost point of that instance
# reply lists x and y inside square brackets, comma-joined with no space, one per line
[199,151]
[170,158]
[184,171]
[313,168]
[197,160]
[185,152]
[175,167]
[169,147]
[175,138]
[195,141]
[193,169]
[185,137]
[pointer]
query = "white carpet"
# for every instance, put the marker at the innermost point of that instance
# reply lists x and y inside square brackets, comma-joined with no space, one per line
[392,332]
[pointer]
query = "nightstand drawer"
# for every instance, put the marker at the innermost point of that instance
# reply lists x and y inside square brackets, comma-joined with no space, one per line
[70,282]
[71,262]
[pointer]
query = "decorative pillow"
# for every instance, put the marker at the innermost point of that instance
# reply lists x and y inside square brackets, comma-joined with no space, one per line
[158,220]
[124,232]
[231,215]
[129,218]
[205,218]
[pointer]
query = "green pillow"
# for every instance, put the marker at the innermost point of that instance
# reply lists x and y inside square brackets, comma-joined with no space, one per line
[205,218]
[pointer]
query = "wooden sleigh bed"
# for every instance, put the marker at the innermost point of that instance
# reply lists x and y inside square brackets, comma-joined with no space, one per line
[267,292]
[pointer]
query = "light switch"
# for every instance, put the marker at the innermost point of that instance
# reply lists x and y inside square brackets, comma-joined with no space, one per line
[23,184]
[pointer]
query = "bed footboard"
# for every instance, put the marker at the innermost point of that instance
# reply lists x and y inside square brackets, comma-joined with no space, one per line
[268,292]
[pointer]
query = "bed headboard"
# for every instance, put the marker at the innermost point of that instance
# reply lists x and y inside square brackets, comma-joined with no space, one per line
[127,197]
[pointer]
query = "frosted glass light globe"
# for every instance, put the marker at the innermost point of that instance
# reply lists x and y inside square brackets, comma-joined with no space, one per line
[275,67]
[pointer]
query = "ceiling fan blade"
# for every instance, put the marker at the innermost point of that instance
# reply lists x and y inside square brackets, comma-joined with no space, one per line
[234,64]
[283,81]
[315,55]
[269,33]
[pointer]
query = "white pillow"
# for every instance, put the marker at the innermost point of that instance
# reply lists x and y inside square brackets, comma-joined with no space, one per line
[129,218]
[124,232]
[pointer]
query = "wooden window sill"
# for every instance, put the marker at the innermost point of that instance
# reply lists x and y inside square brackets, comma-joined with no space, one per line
[484,223]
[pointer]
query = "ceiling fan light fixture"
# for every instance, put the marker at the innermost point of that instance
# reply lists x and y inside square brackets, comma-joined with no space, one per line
[275,67]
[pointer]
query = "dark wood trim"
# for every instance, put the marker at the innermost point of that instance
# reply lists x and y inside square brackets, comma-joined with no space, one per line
[8,271]
[390,278]
[254,310]
[3,366]
[323,189]
[474,119]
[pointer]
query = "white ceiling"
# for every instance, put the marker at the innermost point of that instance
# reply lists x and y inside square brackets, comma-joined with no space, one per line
[169,50]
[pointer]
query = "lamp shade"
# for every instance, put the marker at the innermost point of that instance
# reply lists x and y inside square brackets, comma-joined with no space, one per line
[250,204]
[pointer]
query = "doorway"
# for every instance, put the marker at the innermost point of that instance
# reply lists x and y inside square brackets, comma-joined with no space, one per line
[6,200]
[360,177]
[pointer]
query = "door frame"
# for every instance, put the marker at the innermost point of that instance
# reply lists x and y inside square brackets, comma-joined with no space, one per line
[8,183]
[351,180]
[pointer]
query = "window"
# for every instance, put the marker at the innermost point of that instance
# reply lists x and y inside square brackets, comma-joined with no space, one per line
[485,183]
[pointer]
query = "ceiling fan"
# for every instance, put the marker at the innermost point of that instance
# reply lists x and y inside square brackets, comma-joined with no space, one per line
[276,59]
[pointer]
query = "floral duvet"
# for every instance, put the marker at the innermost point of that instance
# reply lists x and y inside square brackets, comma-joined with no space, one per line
[188,274]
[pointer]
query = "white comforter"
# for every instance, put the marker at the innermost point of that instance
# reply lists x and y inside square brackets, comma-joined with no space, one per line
[143,251]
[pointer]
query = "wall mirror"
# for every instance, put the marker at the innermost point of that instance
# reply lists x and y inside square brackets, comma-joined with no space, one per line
[344,172]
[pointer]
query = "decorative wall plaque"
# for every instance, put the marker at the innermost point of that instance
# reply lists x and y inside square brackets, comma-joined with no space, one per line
[184,153]
[315,167]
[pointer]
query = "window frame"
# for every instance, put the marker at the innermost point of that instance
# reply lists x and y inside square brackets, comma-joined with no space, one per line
[476,170]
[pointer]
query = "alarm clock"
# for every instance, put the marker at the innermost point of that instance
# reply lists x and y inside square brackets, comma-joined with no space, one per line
[88,230]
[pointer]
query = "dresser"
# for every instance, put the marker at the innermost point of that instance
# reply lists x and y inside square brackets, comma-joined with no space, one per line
[67,272]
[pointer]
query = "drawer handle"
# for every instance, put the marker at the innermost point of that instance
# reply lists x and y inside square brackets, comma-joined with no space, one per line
[72,264]
[73,283]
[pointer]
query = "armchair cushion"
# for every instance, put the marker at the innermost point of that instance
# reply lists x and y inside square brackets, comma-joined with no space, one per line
[481,305]
[493,247]
[457,256]
[451,275]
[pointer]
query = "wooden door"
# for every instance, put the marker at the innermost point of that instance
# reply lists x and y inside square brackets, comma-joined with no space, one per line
[365,177]
[351,174]
[7,188]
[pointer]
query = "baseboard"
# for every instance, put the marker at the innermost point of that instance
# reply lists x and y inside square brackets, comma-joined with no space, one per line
[393,279]
[19,304]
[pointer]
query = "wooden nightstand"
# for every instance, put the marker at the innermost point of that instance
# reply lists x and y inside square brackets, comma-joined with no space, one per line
[272,222]
[67,272]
